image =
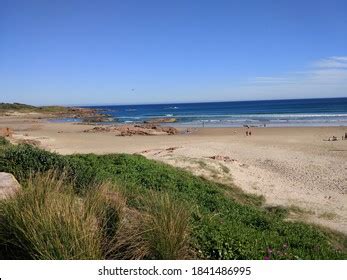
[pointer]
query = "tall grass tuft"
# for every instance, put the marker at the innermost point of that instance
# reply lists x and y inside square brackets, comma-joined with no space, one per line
[130,242]
[168,222]
[159,231]
[48,221]
[109,206]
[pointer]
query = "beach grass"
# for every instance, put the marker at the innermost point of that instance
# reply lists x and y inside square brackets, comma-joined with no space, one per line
[168,213]
[168,226]
[47,221]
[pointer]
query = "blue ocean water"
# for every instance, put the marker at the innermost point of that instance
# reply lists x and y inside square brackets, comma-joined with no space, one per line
[294,112]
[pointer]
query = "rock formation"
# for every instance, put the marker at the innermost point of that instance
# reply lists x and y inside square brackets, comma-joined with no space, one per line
[6,132]
[9,186]
[138,129]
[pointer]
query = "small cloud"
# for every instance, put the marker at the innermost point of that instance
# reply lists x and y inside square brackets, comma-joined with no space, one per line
[341,58]
[327,77]
[332,62]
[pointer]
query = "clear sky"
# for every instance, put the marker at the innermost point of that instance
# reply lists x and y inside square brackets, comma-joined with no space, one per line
[131,52]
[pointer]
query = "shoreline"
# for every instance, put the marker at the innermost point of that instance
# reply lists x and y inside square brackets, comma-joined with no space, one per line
[214,125]
[289,166]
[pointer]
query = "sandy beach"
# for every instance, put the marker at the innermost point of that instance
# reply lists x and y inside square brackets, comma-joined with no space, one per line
[292,167]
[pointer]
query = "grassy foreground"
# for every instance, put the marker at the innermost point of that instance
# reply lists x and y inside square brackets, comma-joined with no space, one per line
[121,206]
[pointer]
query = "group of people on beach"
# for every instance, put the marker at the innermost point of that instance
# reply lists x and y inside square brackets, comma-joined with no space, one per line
[248,131]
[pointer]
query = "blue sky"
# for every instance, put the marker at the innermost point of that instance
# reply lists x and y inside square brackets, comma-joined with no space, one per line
[133,52]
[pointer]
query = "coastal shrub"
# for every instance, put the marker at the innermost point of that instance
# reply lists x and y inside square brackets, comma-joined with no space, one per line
[4,141]
[24,160]
[14,106]
[224,223]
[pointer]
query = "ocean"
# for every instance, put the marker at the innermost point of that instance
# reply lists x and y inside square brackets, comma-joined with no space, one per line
[270,113]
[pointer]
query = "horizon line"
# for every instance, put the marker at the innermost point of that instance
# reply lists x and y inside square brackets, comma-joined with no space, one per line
[195,102]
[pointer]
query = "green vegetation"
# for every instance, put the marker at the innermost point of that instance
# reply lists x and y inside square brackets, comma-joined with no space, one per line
[167,226]
[153,211]
[4,142]
[47,221]
[18,107]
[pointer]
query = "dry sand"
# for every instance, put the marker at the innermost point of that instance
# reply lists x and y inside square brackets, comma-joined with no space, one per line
[292,167]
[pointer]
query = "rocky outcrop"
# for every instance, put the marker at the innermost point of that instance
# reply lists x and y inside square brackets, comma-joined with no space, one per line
[129,130]
[85,114]
[96,119]
[6,132]
[9,186]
